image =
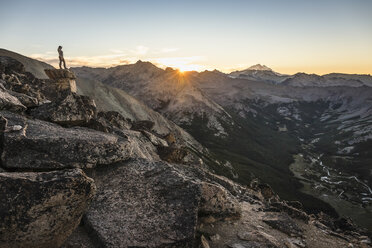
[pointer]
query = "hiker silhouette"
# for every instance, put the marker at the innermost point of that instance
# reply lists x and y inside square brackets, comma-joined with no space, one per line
[61,59]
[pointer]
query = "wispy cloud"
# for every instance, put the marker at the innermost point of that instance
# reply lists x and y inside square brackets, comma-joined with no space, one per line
[140,50]
[117,57]
[191,63]
[168,50]
[116,51]
[93,61]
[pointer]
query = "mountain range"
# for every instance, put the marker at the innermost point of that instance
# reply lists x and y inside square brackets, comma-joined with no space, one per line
[308,136]
[260,122]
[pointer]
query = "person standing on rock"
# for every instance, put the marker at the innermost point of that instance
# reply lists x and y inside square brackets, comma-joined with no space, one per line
[61,59]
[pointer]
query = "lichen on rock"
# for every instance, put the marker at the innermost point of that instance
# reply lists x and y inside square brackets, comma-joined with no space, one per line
[41,209]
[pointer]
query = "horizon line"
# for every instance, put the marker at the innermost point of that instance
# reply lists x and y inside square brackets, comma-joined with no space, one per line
[53,61]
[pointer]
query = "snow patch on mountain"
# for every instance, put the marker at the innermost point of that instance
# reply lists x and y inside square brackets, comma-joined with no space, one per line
[259,67]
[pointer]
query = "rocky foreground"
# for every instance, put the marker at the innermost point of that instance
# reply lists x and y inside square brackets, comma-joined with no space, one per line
[72,176]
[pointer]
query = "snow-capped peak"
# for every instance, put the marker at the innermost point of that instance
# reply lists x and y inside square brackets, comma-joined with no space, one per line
[259,67]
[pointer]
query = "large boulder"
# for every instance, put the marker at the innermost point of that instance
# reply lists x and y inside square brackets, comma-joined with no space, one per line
[152,204]
[72,110]
[143,204]
[43,145]
[41,209]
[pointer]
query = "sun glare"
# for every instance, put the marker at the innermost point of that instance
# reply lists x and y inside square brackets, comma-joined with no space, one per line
[187,67]
[182,64]
[182,68]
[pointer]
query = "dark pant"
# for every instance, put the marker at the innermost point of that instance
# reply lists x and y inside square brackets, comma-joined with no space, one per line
[61,59]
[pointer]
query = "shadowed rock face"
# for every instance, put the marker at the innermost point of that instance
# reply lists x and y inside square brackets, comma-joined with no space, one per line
[9,65]
[144,204]
[41,144]
[152,204]
[26,100]
[109,121]
[42,209]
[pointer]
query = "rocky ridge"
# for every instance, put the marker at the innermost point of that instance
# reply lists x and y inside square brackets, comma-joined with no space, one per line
[136,199]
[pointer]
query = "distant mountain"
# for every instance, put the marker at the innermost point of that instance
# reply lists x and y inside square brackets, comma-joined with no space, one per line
[310,80]
[259,67]
[259,73]
[263,73]
[366,79]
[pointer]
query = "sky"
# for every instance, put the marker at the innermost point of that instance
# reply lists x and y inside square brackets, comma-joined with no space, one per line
[289,36]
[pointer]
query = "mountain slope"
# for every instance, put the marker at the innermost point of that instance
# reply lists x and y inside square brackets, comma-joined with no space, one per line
[31,65]
[113,99]
[166,91]
[332,124]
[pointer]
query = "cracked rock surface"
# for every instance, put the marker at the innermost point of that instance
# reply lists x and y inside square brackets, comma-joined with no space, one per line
[41,209]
